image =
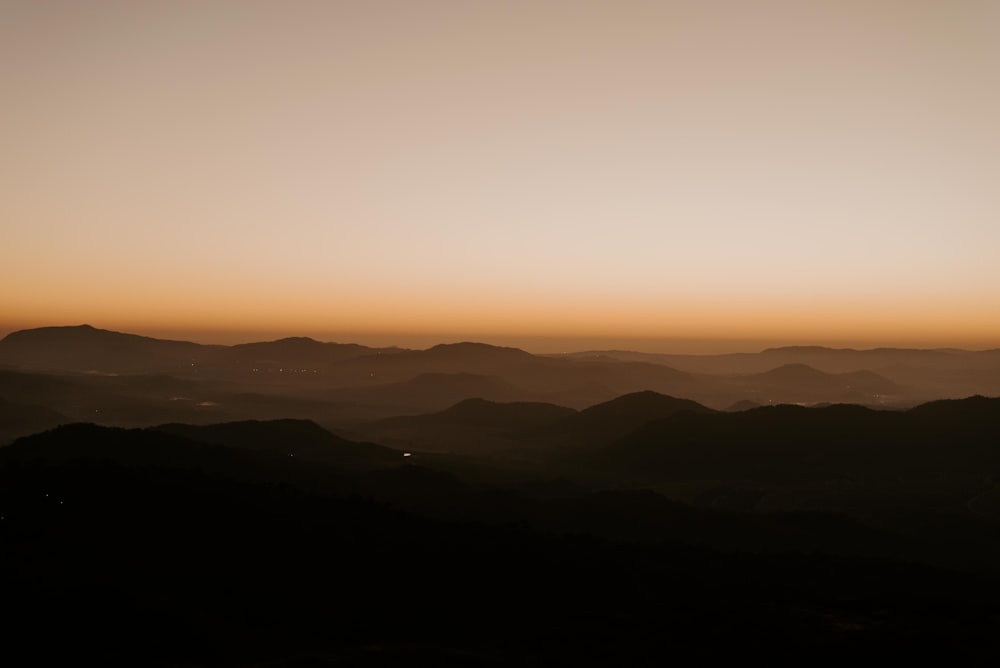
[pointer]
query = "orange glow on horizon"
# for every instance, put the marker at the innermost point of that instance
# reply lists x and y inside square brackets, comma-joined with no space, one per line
[547,326]
[656,173]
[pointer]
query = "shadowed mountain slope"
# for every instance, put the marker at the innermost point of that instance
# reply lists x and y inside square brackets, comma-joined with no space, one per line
[292,438]
[478,426]
[264,458]
[479,412]
[959,414]
[799,382]
[313,366]
[830,360]
[20,420]
[796,373]
[541,378]
[85,348]
[131,447]
[249,557]
[131,400]
[294,353]
[430,391]
[285,451]
[637,408]
[310,369]
[923,374]
[472,426]
[607,421]
[795,443]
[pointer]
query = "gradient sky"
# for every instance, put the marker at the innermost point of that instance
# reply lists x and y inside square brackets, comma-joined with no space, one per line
[648,174]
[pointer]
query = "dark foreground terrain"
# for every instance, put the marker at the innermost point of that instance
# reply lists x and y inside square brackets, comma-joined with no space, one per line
[144,547]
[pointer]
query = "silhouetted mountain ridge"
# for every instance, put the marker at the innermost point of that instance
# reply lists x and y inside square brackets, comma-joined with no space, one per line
[642,528]
[471,426]
[640,406]
[796,443]
[604,422]
[474,349]
[803,375]
[293,438]
[304,368]
[85,348]
[927,373]
[23,419]
[302,352]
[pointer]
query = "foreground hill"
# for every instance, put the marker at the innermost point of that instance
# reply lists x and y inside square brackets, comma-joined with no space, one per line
[929,474]
[303,439]
[146,547]
[230,448]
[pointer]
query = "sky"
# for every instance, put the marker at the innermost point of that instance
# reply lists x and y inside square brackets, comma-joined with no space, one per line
[672,176]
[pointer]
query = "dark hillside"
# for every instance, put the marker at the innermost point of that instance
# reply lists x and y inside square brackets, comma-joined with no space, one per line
[118,547]
[796,443]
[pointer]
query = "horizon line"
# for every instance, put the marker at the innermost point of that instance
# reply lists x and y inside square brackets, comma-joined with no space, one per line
[534,344]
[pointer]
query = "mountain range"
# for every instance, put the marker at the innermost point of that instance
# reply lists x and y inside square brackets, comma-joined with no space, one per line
[304,503]
[125,376]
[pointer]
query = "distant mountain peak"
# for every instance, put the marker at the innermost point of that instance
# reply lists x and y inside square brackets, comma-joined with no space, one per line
[472,352]
[297,339]
[473,346]
[799,349]
[91,332]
